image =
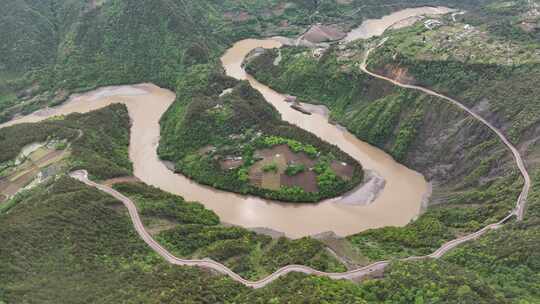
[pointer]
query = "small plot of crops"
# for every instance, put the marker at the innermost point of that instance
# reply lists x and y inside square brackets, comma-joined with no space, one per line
[32,153]
[33,164]
[279,166]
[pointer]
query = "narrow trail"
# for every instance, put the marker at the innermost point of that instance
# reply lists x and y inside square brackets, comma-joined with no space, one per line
[519,210]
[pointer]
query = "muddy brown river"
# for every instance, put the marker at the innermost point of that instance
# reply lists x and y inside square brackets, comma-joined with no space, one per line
[376,27]
[398,203]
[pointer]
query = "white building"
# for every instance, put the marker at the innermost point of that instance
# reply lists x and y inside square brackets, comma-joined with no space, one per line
[432,24]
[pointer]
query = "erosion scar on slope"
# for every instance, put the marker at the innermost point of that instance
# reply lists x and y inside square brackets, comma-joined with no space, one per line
[521,202]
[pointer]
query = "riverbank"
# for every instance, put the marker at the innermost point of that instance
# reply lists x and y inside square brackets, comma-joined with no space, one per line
[402,185]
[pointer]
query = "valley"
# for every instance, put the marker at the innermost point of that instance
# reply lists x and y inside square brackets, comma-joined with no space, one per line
[284,163]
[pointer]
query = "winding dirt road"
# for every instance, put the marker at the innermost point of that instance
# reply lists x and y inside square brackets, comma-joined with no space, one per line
[519,210]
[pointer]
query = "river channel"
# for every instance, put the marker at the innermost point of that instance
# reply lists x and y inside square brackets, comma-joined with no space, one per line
[397,204]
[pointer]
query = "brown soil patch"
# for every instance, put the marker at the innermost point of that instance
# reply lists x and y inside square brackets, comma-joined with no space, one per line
[2,198]
[231,164]
[3,183]
[343,170]
[282,156]
[268,180]
[399,74]
[289,155]
[307,180]
[120,180]
[52,155]
[10,188]
[323,33]
[27,172]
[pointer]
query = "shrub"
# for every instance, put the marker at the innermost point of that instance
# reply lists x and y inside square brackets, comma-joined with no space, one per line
[293,170]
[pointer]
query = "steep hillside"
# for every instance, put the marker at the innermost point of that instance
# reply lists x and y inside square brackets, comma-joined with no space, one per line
[466,164]
[63,242]
[494,74]
[98,141]
[51,48]
[474,177]
[67,243]
[65,234]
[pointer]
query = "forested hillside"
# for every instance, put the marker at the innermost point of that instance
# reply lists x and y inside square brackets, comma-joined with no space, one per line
[51,48]
[54,47]
[63,242]
[98,140]
[466,164]
[473,175]
[67,243]
[66,234]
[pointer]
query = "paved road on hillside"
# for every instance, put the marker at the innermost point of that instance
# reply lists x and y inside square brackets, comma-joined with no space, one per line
[519,210]
[213,265]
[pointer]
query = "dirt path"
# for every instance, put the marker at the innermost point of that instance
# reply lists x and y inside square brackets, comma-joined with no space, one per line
[356,274]
[519,210]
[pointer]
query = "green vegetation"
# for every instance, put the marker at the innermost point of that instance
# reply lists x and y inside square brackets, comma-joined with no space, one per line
[65,243]
[488,65]
[41,232]
[52,48]
[394,119]
[507,260]
[295,169]
[442,223]
[154,203]
[99,140]
[194,232]
[369,108]
[270,168]
[109,259]
[296,146]
[478,188]
[431,282]
[215,139]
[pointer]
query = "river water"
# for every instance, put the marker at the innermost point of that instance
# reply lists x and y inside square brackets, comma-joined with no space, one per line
[398,204]
[376,27]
